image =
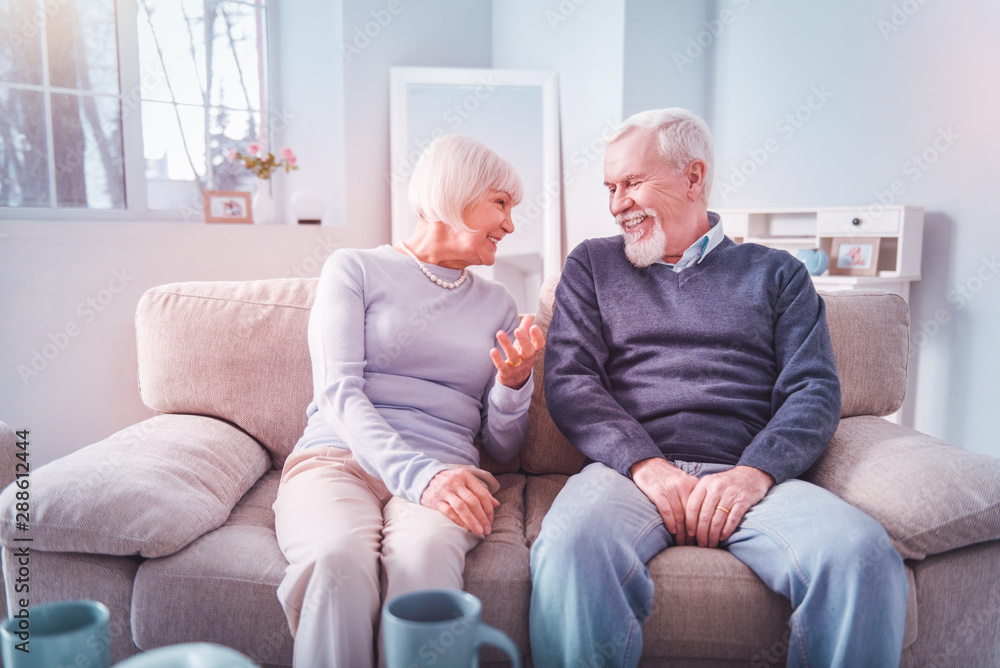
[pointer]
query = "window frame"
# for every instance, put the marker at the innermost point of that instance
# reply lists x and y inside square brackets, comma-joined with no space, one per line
[130,97]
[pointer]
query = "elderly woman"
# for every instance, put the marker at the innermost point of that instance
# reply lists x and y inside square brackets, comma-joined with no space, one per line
[382,494]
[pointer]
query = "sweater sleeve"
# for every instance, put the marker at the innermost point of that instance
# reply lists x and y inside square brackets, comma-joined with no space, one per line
[805,402]
[505,413]
[577,388]
[337,347]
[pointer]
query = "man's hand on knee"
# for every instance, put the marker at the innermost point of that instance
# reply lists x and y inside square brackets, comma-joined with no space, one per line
[668,488]
[718,502]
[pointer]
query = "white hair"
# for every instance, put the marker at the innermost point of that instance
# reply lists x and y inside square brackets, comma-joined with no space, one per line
[683,137]
[453,173]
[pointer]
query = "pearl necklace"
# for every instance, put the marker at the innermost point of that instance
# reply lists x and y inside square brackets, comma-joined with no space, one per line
[430,275]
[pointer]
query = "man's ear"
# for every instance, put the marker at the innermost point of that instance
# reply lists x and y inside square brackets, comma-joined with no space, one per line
[695,173]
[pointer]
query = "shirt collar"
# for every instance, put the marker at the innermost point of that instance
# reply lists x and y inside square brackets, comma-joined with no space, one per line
[697,251]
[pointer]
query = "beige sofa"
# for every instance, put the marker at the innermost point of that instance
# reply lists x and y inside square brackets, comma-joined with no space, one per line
[169,521]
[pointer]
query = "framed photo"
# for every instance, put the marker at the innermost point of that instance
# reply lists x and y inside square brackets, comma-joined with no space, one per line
[854,256]
[227,206]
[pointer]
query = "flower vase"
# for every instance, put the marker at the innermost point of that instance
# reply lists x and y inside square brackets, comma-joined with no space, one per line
[263,205]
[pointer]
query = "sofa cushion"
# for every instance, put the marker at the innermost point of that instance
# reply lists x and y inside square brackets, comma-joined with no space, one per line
[929,495]
[870,330]
[232,350]
[220,588]
[498,572]
[546,450]
[149,489]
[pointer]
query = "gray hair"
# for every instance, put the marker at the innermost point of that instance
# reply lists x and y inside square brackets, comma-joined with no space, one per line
[683,137]
[453,173]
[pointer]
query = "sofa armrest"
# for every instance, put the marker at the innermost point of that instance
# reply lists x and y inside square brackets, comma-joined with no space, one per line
[149,489]
[930,496]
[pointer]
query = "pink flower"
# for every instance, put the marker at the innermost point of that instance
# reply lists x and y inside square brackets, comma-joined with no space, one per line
[254,148]
[287,154]
[292,160]
[231,155]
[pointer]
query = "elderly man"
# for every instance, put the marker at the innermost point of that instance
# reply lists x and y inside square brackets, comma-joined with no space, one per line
[698,377]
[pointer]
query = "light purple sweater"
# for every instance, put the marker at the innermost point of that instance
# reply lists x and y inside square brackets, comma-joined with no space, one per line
[402,374]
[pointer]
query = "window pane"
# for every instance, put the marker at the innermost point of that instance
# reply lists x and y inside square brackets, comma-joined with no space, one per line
[174,146]
[236,71]
[24,174]
[172,50]
[20,42]
[83,46]
[231,130]
[87,136]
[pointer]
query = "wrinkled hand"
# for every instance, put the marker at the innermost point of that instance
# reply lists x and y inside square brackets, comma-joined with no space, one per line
[669,489]
[529,340]
[463,498]
[737,490]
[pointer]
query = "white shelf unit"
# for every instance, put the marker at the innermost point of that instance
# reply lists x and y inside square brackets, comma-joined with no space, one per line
[899,228]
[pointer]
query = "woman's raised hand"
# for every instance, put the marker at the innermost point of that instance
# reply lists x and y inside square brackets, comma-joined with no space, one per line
[529,339]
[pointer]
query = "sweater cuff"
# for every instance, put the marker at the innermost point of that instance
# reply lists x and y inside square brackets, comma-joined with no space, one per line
[627,452]
[421,480]
[510,401]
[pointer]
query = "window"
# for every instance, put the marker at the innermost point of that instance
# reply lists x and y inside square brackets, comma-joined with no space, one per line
[76,77]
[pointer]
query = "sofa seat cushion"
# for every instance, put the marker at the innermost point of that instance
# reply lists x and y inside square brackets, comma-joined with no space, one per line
[498,571]
[221,588]
[147,490]
[707,605]
[930,496]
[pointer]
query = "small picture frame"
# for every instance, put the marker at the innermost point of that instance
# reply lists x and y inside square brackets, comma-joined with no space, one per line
[227,206]
[854,256]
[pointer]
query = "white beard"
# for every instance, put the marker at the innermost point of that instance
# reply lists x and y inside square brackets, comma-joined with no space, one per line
[644,252]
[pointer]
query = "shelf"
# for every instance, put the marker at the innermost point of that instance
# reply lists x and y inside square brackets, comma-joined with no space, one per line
[777,239]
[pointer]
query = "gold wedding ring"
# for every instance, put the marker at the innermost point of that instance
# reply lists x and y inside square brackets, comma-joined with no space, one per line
[725,510]
[517,363]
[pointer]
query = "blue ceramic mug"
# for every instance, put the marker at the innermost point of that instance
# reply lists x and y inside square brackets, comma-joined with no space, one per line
[189,655]
[440,628]
[64,633]
[815,259]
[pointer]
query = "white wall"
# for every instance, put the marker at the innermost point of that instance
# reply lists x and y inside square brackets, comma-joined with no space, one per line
[307,77]
[583,42]
[67,349]
[891,95]
[443,33]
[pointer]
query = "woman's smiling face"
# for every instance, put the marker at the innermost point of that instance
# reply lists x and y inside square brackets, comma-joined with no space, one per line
[490,219]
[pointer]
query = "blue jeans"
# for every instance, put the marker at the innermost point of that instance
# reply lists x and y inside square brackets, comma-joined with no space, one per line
[591,590]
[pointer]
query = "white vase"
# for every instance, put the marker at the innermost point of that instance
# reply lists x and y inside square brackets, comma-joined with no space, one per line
[263,205]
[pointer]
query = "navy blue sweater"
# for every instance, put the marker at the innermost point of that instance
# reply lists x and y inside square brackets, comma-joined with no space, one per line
[727,361]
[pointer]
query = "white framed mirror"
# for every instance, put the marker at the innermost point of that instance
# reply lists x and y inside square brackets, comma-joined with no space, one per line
[515,113]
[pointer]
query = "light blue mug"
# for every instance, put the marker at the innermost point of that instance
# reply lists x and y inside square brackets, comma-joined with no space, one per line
[64,633]
[815,259]
[441,628]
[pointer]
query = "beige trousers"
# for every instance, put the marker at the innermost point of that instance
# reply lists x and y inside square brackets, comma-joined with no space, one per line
[351,546]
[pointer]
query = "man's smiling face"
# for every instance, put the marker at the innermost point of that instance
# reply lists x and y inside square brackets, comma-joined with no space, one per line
[644,193]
